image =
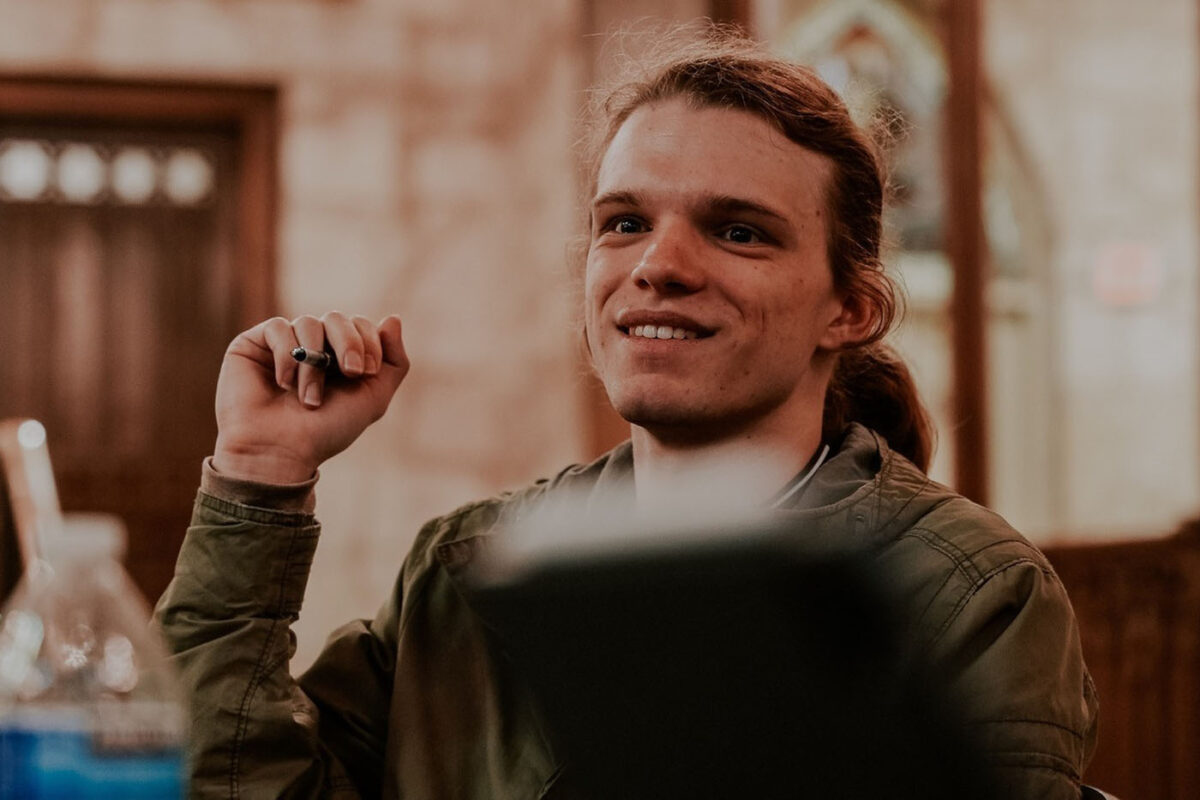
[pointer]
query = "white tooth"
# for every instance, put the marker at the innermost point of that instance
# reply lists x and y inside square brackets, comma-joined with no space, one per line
[650,332]
[637,331]
[664,332]
[679,333]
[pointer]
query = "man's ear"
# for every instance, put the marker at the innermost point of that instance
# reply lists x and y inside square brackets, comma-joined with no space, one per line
[854,322]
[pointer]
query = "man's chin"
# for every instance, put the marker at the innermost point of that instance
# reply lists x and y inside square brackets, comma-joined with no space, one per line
[675,421]
[649,413]
[683,420]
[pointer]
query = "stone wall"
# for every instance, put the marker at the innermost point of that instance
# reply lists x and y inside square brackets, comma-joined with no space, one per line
[484,203]
[426,169]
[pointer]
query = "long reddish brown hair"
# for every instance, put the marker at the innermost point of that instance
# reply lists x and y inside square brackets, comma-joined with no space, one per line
[871,384]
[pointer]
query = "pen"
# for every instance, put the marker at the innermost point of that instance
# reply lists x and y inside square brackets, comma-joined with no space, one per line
[315,358]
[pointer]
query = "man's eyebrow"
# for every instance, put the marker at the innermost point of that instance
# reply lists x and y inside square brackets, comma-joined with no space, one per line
[624,198]
[728,204]
[710,204]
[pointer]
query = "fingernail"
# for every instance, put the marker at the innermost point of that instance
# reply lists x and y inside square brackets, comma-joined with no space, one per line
[353,362]
[312,395]
[372,365]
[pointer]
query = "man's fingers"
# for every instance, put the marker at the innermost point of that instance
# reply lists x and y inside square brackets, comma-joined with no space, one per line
[394,364]
[392,344]
[279,337]
[372,349]
[361,348]
[345,341]
[310,384]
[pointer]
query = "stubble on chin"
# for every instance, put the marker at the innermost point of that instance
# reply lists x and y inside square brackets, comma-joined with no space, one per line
[675,421]
[651,415]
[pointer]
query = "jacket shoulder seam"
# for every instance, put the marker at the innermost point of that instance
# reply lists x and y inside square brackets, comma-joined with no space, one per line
[973,590]
[1055,768]
[1057,725]
[957,557]
[1023,759]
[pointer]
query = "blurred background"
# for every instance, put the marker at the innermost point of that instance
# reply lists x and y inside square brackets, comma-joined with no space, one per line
[173,171]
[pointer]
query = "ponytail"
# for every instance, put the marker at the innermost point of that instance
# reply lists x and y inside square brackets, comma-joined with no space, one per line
[872,386]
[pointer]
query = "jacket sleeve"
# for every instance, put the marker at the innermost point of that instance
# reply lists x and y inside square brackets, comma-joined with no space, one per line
[1012,654]
[226,617]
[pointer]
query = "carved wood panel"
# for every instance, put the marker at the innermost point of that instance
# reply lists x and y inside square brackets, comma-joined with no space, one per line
[1138,606]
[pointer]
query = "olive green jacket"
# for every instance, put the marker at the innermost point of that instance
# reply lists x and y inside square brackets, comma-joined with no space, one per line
[412,704]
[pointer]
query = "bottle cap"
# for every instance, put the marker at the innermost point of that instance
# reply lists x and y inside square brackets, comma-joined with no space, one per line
[87,536]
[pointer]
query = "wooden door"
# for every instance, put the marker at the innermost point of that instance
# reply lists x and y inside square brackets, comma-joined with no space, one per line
[131,252]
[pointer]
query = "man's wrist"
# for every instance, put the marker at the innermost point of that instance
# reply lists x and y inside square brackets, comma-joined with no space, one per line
[294,496]
[261,466]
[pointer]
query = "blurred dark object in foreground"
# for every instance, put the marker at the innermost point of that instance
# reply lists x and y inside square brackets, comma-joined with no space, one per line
[1138,606]
[737,668]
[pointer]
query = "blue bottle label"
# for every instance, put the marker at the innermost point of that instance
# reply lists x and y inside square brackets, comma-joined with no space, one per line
[40,762]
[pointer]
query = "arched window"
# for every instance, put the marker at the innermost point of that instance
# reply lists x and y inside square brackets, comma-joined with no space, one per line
[886,60]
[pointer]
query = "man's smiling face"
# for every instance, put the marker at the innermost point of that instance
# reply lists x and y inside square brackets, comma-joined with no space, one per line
[710,303]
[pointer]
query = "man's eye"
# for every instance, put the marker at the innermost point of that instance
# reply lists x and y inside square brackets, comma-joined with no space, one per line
[740,234]
[627,225]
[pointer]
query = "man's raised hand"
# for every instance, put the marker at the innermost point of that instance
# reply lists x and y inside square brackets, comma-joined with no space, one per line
[278,420]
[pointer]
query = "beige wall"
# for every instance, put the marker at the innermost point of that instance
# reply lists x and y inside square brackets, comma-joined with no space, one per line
[1103,95]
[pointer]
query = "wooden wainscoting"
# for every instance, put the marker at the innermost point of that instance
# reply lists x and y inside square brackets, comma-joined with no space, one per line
[1138,605]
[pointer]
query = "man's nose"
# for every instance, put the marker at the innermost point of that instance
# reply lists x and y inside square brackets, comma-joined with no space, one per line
[671,261]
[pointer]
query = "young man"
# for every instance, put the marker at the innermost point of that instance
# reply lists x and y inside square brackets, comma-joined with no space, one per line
[734,303]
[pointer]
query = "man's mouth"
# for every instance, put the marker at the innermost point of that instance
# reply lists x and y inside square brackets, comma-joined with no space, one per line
[662,332]
[661,325]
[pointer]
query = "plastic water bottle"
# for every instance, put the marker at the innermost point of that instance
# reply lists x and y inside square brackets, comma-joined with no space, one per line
[89,706]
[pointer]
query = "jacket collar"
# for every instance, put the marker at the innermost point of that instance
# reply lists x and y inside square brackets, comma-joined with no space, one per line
[866,495]
[863,496]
